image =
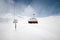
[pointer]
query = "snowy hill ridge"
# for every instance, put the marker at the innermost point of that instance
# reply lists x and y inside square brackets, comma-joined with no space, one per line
[48,28]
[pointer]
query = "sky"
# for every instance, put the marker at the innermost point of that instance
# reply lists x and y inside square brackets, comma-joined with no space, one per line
[47,13]
[42,8]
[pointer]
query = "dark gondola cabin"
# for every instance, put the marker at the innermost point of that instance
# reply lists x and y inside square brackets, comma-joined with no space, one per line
[32,21]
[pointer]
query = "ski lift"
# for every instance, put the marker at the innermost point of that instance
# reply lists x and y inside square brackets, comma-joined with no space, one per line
[33,20]
[15,22]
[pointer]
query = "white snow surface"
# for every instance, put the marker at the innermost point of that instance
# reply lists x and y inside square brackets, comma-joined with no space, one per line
[48,28]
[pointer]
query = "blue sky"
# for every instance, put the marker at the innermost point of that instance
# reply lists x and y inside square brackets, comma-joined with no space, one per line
[42,7]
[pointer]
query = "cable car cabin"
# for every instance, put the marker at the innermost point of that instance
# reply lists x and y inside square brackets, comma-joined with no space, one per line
[32,21]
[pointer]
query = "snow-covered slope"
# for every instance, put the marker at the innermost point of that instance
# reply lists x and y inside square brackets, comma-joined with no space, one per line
[48,28]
